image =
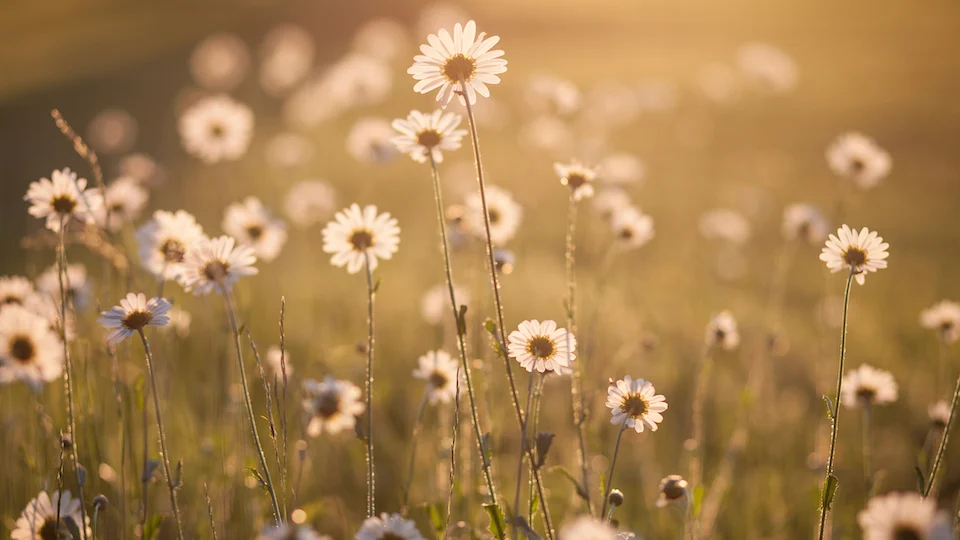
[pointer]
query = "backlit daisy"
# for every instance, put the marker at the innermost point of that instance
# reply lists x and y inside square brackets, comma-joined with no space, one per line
[505,215]
[357,236]
[672,488]
[309,202]
[75,282]
[857,157]
[587,528]
[216,128]
[165,240]
[388,527]
[768,67]
[577,177]
[435,304]
[944,317]
[29,350]
[278,362]
[134,314]
[253,225]
[609,201]
[804,222]
[897,516]
[725,224]
[219,62]
[332,405]
[213,264]
[38,521]
[440,371]
[939,414]
[722,331]
[450,62]
[636,402]
[631,227]
[125,199]
[63,197]
[286,57]
[621,169]
[860,251]
[370,141]
[15,290]
[543,347]
[428,134]
[868,385]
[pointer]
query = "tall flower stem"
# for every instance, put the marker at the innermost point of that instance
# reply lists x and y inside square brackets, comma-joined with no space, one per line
[536,427]
[232,318]
[495,283]
[613,463]
[371,481]
[485,461]
[943,441]
[829,482]
[867,450]
[523,446]
[413,452]
[699,397]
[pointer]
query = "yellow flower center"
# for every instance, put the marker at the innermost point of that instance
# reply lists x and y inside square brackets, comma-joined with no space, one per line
[216,270]
[22,349]
[459,67]
[437,379]
[63,204]
[136,320]
[173,251]
[634,406]
[855,257]
[361,239]
[429,138]
[541,347]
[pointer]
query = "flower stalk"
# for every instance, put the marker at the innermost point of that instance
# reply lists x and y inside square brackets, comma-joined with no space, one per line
[371,480]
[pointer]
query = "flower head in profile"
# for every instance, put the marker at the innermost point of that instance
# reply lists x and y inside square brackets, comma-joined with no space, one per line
[636,402]
[435,304]
[504,212]
[858,158]
[332,405]
[253,225]
[867,386]
[672,488]
[541,346]
[38,521]
[944,317]
[216,128]
[15,291]
[278,362]
[388,527]
[903,515]
[804,222]
[578,177]
[939,414]
[309,202]
[358,236]
[75,283]
[860,252]
[423,135]
[587,528]
[722,331]
[124,198]
[30,351]
[165,240]
[441,372]
[216,264]
[63,197]
[134,314]
[463,64]
[631,227]
[370,141]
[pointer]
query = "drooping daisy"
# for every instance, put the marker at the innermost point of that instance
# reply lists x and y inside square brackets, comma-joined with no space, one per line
[862,251]
[505,215]
[944,317]
[896,516]
[435,304]
[220,62]
[370,141]
[286,57]
[636,402]
[388,527]
[672,488]
[622,168]
[543,347]
[578,177]
[423,135]
[63,197]
[75,282]
[939,414]
[15,290]
[134,314]
[725,224]
[587,528]
[291,532]
[631,227]
[857,157]
[452,62]
[868,385]
[309,202]
[609,201]
[216,128]
[165,240]
[332,405]
[112,131]
[29,350]
[768,67]
[252,224]
[440,371]
[278,362]
[38,521]
[213,264]
[722,331]
[804,222]
[125,199]
[357,236]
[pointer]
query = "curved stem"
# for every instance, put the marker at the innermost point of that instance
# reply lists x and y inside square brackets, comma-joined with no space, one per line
[413,452]
[613,462]
[371,481]
[943,441]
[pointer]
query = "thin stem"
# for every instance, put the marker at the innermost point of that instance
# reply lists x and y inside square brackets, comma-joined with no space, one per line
[523,445]
[123,438]
[268,397]
[613,462]
[453,452]
[699,397]
[147,474]
[413,452]
[371,482]
[835,418]
[943,441]
[536,427]
[283,406]
[213,523]
[96,513]
[867,450]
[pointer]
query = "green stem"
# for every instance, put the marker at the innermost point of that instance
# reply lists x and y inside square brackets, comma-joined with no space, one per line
[371,481]
[867,450]
[523,446]
[613,463]
[943,441]
[413,452]
[536,427]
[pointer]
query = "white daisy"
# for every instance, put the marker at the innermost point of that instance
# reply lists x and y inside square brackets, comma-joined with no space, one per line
[552,95]
[435,304]
[578,177]
[288,150]
[29,350]
[332,405]
[722,331]
[253,225]
[165,240]
[133,314]
[216,264]
[357,235]
[383,38]
[637,403]
[124,199]
[862,251]
[220,62]
[313,103]
[768,67]
[291,532]
[944,317]
[286,57]
[868,385]
[632,228]
[621,169]
[38,521]
[278,362]
[587,528]
[75,282]
[672,488]
[543,347]
[112,131]
[427,134]
[450,62]
[388,527]
[505,215]
[609,201]
[896,516]
[180,320]
[309,202]
[370,141]
[63,197]
[48,307]
[725,224]
[441,372]
[804,222]
[15,290]
[857,157]
[216,128]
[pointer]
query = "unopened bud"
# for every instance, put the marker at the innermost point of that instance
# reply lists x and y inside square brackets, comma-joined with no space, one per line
[672,488]
[615,498]
[100,503]
[66,441]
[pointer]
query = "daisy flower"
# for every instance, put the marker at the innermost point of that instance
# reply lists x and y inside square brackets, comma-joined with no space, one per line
[804,222]
[722,331]
[903,515]
[609,201]
[388,527]
[125,199]
[216,264]
[358,79]
[725,224]
[435,304]
[672,488]
[857,157]
[278,362]
[165,240]
[577,177]
[48,307]
[287,55]
[504,212]
[370,141]
[632,227]
[622,169]
[543,347]
[452,62]
[253,225]
[15,290]
[216,128]
[440,371]
[868,385]
[332,405]
[768,67]
[63,197]
[29,350]
[133,314]
[309,202]
[427,134]
[75,284]
[860,251]
[39,519]
[219,62]
[112,131]
[357,236]
[291,532]
[587,528]
[636,402]
[944,316]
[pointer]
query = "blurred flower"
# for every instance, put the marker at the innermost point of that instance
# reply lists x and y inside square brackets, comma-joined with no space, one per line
[672,488]
[505,215]
[636,402]
[388,527]
[216,128]
[253,225]
[125,199]
[45,518]
[718,82]
[112,131]
[944,316]
[133,314]
[505,260]
[722,331]
[903,515]
[441,372]
[312,103]
[543,347]
[141,167]
[548,133]
[450,63]
[358,79]
[435,304]
[286,56]
[804,222]
[857,157]
[309,202]
[180,320]
[370,141]
[15,290]
[657,96]
[75,284]
[868,385]
[610,103]
[422,134]
[609,201]
[768,67]
[333,405]
[440,14]
[63,197]
[725,224]
[578,177]
[29,350]
[289,149]
[278,362]
[587,528]
[165,240]
[939,414]
[216,264]
[632,227]
[552,95]
[383,38]
[48,307]
[358,236]
[621,168]
[290,532]
[862,251]
[219,62]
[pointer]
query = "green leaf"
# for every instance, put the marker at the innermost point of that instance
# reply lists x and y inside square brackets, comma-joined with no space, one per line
[462,321]
[489,325]
[534,504]
[140,391]
[433,512]
[580,490]
[544,440]
[151,529]
[497,524]
[830,407]
[376,286]
[697,499]
[829,490]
